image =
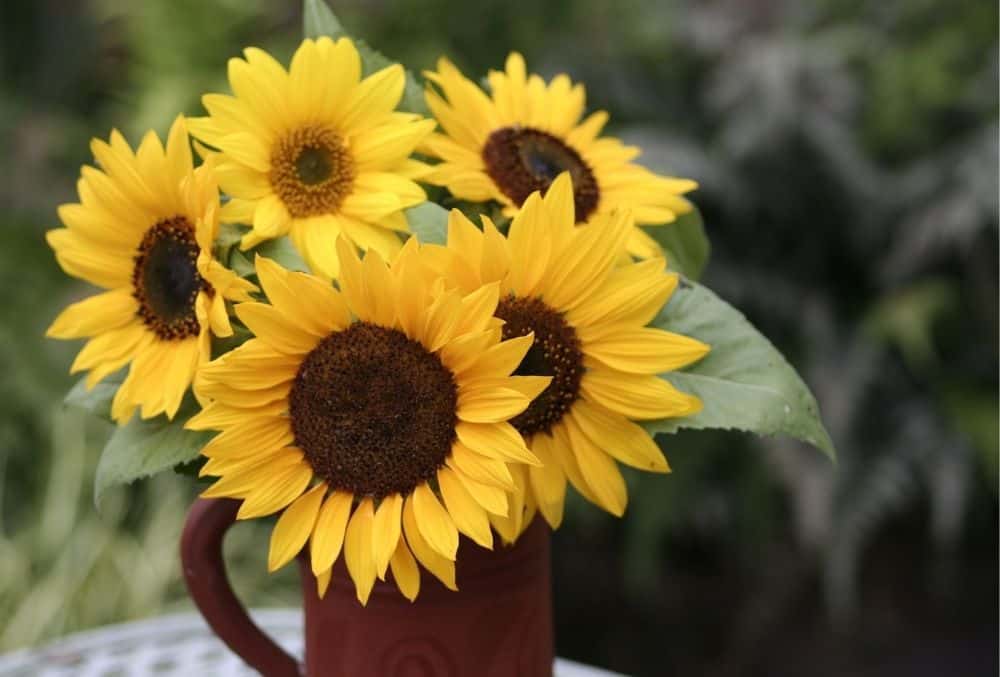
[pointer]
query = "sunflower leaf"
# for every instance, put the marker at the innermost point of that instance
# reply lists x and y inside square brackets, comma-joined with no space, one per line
[685,243]
[283,251]
[744,382]
[318,20]
[97,400]
[429,223]
[143,447]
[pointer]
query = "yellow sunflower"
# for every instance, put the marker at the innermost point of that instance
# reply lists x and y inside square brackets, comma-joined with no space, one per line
[375,417]
[315,151]
[562,284]
[143,230]
[515,141]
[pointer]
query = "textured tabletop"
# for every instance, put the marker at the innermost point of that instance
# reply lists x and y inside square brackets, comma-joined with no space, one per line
[172,645]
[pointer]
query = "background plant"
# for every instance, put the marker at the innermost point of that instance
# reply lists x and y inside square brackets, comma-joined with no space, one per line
[847,153]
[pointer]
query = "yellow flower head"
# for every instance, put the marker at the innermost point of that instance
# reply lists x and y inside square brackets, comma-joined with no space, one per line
[143,230]
[561,282]
[516,140]
[315,151]
[375,416]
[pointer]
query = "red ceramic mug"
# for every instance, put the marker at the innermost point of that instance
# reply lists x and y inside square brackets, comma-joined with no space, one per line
[499,624]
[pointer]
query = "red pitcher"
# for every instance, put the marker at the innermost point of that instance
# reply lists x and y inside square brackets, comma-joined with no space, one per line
[499,623]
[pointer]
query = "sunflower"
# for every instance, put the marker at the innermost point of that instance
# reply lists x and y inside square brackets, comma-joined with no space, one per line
[375,417]
[515,141]
[561,283]
[315,151]
[143,230]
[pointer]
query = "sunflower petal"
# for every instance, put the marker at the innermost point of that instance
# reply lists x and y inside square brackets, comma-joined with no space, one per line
[293,527]
[358,550]
[385,531]
[328,533]
[442,568]
[436,525]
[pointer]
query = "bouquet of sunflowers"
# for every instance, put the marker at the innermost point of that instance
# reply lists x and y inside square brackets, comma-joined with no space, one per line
[392,312]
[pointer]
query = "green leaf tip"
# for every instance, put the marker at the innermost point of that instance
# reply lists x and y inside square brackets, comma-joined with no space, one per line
[428,223]
[685,244]
[318,19]
[744,383]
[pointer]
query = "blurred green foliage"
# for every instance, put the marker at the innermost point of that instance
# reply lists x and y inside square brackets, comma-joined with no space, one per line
[847,156]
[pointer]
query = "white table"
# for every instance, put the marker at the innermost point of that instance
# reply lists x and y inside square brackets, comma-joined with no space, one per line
[180,644]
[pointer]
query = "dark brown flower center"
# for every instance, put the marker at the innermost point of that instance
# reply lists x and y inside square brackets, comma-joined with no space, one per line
[311,171]
[373,411]
[522,160]
[555,352]
[165,279]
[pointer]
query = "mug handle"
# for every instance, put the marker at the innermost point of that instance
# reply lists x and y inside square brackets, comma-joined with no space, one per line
[207,522]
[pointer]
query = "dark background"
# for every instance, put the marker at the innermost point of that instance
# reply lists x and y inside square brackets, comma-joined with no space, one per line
[847,156]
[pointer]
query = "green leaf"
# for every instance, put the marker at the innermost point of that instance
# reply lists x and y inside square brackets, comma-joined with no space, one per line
[229,236]
[429,223]
[240,264]
[744,382]
[143,447]
[283,251]
[685,243]
[318,19]
[97,400]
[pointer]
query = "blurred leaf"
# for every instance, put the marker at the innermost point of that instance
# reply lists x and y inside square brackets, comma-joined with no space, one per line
[318,19]
[744,382]
[906,318]
[685,243]
[240,264]
[142,448]
[97,400]
[974,412]
[283,251]
[429,223]
[229,235]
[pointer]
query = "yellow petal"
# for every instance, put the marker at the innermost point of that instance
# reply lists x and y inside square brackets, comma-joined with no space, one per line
[386,530]
[491,406]
[323,582]
[599,471]
[358,550]
[496,440]
[285,488]
[547,480]
[376,95]
[293,527]
[405,571]
[489,471]
[530,246]
[272,327]
[644,350]
[498,360]
[637,396]
[632,295]
[469,516]
[328,534]
[436,525]
[442,568]
[626,441]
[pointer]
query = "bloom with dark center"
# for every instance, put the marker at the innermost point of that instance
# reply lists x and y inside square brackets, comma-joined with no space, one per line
[375,417]
[143,230]
[521,161]
[515,140]
[588,312]
[315,151]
